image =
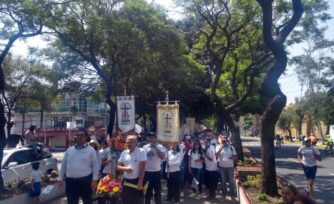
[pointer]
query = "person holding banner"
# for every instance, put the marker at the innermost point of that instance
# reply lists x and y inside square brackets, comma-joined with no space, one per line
[155,152]
[210,168]
[174,159]
[132,163]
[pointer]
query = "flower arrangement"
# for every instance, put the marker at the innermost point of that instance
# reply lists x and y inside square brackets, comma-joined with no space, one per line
[109,187]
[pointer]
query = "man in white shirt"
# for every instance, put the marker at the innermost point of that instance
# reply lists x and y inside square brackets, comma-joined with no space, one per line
[226,155]
[210,168]
[155,152]
[132,163]
[79,170]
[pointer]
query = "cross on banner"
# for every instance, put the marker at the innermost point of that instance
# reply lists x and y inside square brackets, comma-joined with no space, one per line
[167,120]
[125,109]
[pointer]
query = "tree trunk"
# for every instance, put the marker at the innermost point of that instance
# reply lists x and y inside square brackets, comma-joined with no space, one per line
[320,130]
[290,135]
[235,139]
[23,122]
[327,129]
[2,141]
[112,113]
[269,119]
[300,132]
[220,123]
[233,128]
[41,129]
[308,126]
[9,123]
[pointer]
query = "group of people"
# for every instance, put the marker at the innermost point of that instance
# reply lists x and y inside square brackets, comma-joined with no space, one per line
[147,164]
[205,160]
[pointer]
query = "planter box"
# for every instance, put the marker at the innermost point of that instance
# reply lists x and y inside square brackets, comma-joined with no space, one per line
[44,198]
[241,193]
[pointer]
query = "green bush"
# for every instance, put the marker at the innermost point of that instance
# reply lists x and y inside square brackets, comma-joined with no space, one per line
[262,197]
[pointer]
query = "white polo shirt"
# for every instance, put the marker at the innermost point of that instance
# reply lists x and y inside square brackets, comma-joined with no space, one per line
[211,165]
[224,157]
[79,163]
[132,160]
[153,163]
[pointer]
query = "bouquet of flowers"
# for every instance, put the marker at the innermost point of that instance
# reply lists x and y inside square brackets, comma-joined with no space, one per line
[109,188]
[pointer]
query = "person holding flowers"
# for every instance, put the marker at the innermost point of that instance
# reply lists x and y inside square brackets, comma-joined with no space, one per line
[132,163]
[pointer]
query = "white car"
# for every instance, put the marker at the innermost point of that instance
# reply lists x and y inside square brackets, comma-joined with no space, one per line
[16,163]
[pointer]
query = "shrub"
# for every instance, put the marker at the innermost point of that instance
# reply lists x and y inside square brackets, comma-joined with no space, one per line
[262,197]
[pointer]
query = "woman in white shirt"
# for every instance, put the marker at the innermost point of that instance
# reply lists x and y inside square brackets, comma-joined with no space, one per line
[174,159]
[196,160]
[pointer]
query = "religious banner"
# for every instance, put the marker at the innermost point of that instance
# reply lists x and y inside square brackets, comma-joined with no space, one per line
[126,113]
[190,122]
[168,124]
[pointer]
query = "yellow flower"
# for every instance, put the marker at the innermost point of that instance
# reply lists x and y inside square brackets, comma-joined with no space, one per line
[115,189]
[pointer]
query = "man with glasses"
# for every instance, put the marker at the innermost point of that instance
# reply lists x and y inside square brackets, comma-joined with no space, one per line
[226,155]
[132,163]
[79,170]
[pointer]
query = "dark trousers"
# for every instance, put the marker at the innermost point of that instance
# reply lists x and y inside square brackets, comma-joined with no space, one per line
[211,182]
[79,188]
[154,179]
[198,174]
[173,186]
[163,170]
[132,195]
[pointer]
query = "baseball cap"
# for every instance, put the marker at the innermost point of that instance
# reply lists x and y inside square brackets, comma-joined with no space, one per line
[151,134]
[306,139]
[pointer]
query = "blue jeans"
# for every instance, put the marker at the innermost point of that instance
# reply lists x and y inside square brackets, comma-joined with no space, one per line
[198,174]
[227,175]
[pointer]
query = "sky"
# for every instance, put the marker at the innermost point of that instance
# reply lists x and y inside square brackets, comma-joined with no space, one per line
[289,83]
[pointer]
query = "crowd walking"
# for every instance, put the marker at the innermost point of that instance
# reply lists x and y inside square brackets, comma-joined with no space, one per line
[208,160]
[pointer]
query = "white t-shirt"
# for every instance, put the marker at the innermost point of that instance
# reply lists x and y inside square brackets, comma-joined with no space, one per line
[132,160]
[195,156]
[174,161]
[211,165]
[224,158]
[36,176]
[153,160]
[308,158]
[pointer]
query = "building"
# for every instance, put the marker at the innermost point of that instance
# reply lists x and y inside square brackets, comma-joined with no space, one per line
[62,122]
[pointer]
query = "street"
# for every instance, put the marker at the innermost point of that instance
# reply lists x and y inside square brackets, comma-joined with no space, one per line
[289,168]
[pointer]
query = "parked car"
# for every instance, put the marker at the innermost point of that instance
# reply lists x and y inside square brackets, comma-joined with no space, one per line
[17,162]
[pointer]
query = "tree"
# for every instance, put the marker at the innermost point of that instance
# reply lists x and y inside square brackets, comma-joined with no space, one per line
[16,22]
[285,120]
[228,43]
[274,37]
